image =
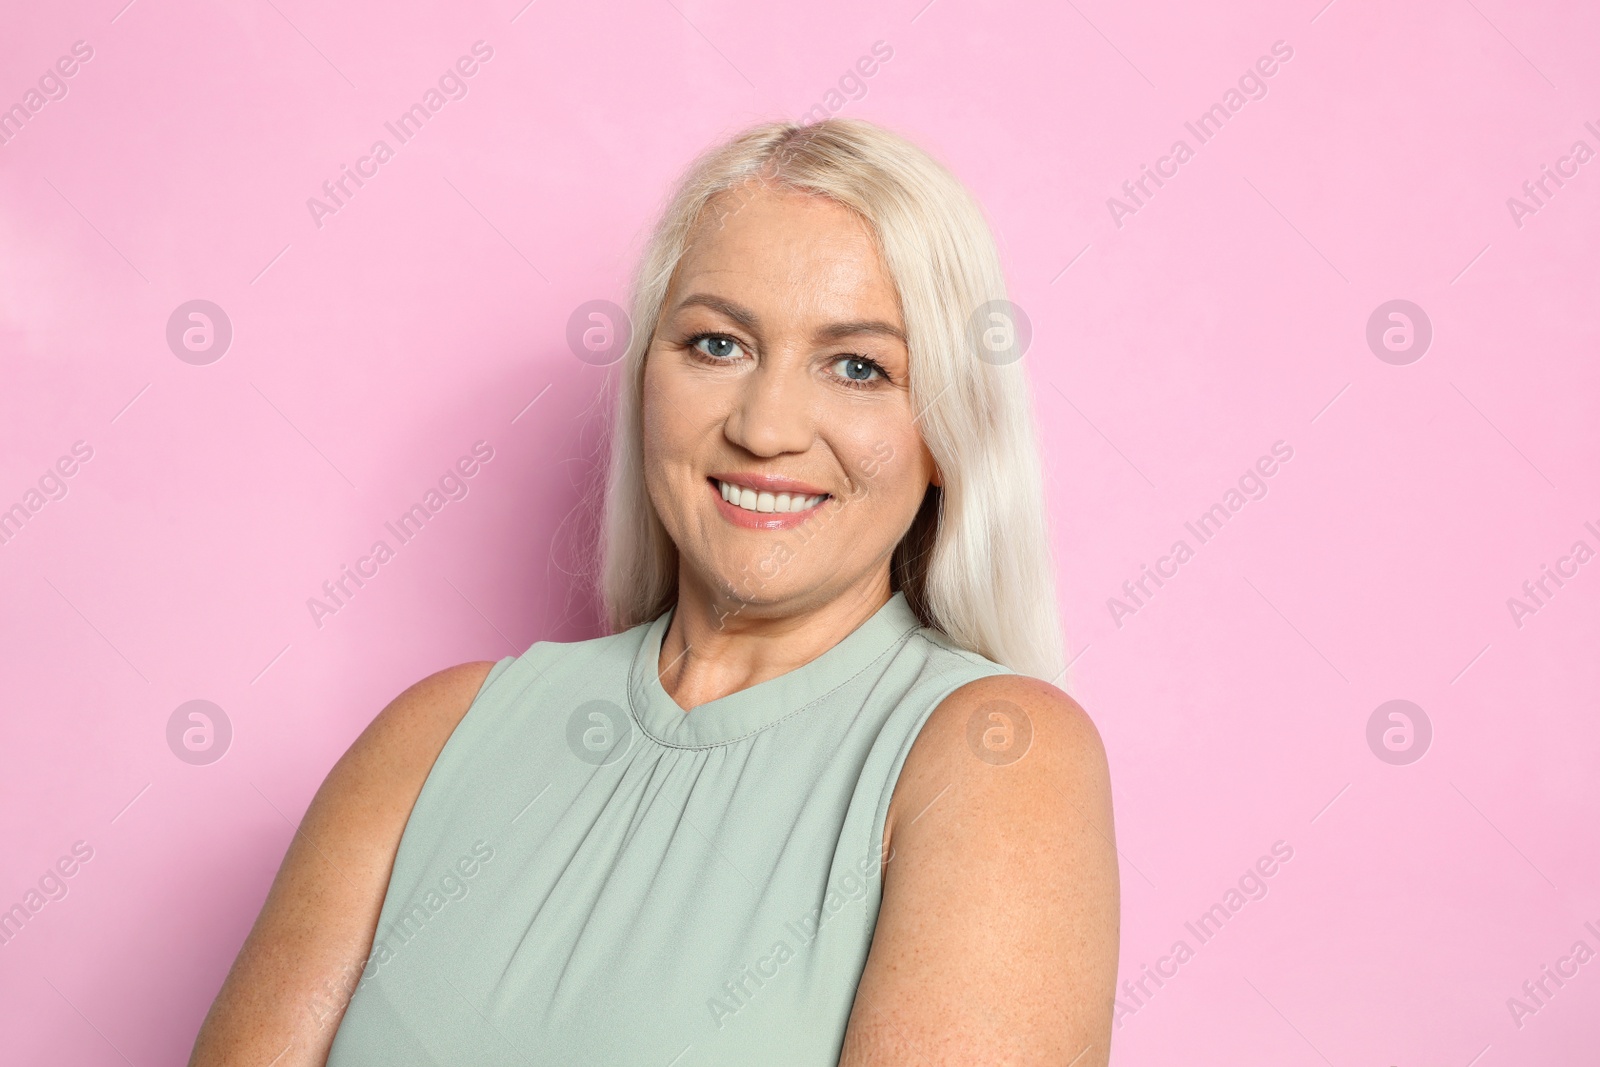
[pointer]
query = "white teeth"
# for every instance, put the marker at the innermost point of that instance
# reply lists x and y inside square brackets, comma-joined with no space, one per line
[752,500]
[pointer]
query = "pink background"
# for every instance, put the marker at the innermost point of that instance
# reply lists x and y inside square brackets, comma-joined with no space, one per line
[1228,313]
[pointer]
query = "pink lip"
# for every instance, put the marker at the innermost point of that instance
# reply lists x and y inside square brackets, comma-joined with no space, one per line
[769,483]
[765,520]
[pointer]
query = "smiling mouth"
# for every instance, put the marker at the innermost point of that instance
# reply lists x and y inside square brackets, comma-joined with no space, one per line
[763,502]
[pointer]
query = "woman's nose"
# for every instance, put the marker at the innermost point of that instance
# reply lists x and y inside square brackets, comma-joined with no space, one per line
[771,414]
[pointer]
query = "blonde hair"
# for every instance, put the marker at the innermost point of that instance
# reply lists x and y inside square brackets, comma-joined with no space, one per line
[975,563]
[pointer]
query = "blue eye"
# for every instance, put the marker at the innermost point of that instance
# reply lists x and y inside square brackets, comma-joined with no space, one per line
[717,346]
[857,369]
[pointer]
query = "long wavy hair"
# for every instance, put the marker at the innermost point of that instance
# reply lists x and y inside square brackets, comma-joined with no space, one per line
[975,563]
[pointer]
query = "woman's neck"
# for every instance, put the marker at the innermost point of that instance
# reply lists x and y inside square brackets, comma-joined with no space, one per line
[717,645]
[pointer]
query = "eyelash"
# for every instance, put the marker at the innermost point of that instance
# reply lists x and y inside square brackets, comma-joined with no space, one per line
[693,344]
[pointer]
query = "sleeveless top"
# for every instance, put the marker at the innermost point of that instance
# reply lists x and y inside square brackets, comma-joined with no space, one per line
[592,875]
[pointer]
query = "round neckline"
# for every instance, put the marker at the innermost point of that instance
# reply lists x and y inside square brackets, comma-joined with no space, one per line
[747,711]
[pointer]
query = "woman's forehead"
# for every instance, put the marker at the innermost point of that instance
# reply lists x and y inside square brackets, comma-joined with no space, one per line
[789,251]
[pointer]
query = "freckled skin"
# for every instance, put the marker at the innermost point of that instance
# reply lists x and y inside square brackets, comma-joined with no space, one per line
[997,939]
[996,942]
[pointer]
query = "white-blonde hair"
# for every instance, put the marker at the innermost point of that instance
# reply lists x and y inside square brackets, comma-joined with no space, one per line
[975,563]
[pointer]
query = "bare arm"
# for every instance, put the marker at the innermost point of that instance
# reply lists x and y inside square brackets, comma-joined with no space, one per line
[287,991]
[997,939]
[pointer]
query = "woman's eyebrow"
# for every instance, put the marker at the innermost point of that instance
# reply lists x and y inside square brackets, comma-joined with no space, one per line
[727,308]
[834,331]
[839,330]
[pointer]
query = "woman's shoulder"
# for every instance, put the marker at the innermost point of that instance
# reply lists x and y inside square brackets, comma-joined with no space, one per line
[409,732]
[1004,733]
[371,790]
[1029,712]
[312,933]
[375,783]
[1001,840]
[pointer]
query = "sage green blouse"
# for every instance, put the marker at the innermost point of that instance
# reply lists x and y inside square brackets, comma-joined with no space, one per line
[592,876]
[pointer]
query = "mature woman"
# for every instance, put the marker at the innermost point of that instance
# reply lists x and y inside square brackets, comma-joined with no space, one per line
[813,801]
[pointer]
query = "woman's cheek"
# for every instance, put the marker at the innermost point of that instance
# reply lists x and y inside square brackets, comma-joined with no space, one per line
[664,424]
[872,464]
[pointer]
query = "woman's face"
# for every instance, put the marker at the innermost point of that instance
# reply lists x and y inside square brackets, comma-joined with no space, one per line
[780,446]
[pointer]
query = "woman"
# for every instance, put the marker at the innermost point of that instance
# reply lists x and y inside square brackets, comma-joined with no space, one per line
[811,802]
